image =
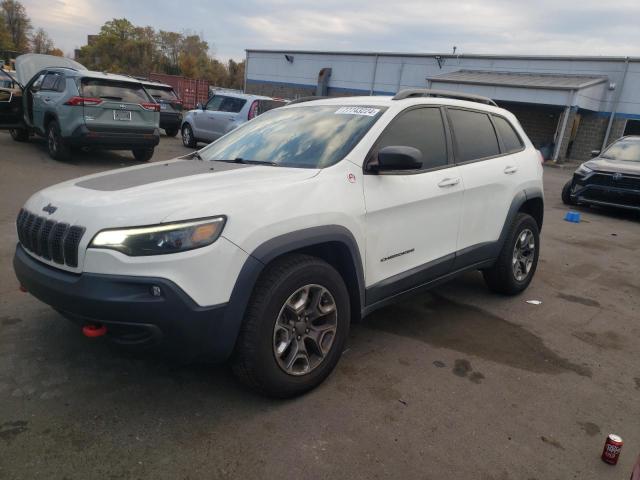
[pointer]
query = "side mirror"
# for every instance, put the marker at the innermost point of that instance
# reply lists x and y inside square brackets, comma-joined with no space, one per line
[397,158]
[199,106]
[595,153]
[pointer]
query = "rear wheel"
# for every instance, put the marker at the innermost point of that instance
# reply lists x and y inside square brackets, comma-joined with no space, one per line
[19,134]
[171,132]
[143,154]
[518,258]
[295,327]
[566,193]
[188,140]
[58,150]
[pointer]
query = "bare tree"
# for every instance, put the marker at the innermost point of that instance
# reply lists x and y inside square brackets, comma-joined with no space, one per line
[41,42]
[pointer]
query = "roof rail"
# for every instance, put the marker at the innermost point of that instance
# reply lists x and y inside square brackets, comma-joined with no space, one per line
[426,92]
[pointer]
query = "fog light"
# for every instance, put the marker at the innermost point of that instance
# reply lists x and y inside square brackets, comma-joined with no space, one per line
[155,291]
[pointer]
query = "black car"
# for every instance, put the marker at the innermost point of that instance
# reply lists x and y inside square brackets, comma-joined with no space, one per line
[611,179]
[170,106]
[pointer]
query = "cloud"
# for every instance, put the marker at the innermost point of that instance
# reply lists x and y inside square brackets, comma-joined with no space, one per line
[585,27]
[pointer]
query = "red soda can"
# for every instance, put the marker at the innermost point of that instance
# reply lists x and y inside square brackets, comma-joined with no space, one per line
[612,448]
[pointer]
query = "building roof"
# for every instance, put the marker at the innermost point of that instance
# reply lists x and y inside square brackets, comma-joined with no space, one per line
[519,80]
[450,55]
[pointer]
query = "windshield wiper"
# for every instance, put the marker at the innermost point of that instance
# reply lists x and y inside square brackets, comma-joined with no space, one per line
[247,162]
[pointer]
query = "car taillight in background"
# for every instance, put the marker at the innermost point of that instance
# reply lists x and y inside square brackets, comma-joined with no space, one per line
[253,110]
[82,101]
[154,107]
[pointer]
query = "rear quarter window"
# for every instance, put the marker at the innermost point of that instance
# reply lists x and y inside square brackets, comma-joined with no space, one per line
[511,141]
[474,135]
[113,90]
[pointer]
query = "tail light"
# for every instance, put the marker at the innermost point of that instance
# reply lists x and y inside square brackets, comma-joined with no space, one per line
[82,101]
[253,110]
[154,107]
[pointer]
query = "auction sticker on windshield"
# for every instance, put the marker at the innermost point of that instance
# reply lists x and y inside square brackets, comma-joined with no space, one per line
[369,112]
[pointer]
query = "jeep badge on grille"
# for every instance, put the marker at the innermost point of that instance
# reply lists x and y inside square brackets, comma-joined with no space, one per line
[49,209]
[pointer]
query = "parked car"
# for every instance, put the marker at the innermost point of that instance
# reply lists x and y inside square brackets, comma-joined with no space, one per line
[262,247]
[222,113]
[73,107]
[170,106]
[611,179]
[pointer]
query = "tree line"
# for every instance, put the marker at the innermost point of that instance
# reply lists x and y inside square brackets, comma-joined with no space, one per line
[17,33]
[122,47]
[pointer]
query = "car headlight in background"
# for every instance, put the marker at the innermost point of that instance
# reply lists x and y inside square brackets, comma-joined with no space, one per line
[583,170]
[161,239]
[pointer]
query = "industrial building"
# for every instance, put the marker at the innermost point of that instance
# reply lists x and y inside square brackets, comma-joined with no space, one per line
[569,106]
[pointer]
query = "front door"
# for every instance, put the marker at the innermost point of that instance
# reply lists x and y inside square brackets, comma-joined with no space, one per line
[204,120]
[412,217]
[10,103]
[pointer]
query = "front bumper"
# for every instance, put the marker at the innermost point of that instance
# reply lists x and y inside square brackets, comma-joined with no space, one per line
[591,190]
[113,139]
[131,313]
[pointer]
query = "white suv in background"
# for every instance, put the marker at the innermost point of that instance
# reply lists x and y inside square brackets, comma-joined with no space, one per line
[262,247]
[223,112]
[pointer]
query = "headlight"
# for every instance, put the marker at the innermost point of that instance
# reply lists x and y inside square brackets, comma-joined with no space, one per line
[583,170]
[161,239]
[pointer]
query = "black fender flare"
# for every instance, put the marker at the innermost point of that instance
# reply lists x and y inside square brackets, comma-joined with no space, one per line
[516,204]
[275,247]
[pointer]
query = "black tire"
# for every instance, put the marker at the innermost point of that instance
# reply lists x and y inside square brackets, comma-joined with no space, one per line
[566,193]
[188,140]
[19,134]
[254,358]
[501,278]
[58,149]
[171,132]
[143,154]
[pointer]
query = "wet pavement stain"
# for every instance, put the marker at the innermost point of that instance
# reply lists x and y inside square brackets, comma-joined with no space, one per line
[462,368]
[448,324]
[552,442]
[637,380]
[440,364]
[580,300]
[10,320]
[10,430]
[590,428]
[608,340]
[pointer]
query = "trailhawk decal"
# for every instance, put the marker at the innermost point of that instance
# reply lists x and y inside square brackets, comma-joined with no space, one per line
[391,257]
[369,112]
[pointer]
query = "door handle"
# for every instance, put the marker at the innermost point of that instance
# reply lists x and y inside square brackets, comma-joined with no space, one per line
[510,169]
[449,182]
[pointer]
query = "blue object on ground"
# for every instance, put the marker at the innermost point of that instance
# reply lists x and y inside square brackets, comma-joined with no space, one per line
[573,217]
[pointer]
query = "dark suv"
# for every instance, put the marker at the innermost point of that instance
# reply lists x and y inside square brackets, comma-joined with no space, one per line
[611,179]
[170,106]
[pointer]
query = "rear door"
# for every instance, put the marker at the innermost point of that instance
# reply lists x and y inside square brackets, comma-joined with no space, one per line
[115,105]
[490,172]
[47,96]
[10,102]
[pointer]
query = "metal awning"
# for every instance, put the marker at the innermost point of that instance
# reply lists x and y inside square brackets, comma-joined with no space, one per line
[582,91]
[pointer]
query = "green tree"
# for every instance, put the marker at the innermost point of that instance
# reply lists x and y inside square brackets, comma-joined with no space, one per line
[17,23]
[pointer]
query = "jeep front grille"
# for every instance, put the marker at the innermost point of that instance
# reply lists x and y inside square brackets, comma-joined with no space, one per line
[50,240]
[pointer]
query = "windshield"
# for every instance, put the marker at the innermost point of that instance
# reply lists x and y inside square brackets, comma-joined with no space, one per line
[627,150]
[160,93]
[307,137]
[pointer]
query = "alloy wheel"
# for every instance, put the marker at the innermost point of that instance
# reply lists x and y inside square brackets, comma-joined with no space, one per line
[523,254]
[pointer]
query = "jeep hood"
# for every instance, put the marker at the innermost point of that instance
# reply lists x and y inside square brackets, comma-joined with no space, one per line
[162,191]
[31,63]
[614,166]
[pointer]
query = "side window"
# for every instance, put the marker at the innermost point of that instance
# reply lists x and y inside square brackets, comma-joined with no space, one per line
[421,128]
[214,103]
[231,104]
[474,135]
[61,86]
[510,139]
[49,82]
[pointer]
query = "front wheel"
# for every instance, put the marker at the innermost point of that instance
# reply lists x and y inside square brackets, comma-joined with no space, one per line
[518,258]
[19,134]
[295,327]
[566,193]
[171,132]
[58,150]
[188,140]
[143,154]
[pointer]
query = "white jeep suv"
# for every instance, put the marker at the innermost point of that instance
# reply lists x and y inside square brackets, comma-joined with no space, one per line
[262,247]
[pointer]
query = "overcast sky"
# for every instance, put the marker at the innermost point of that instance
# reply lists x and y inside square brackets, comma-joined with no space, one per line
[549,27]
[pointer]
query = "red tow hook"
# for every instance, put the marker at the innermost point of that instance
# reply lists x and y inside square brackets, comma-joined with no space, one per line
[93,331]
